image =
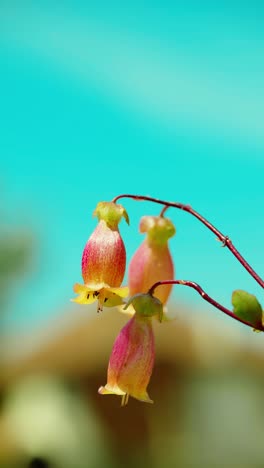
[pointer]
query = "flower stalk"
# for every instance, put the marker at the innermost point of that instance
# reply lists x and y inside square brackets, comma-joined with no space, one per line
[226,241]
[206,297]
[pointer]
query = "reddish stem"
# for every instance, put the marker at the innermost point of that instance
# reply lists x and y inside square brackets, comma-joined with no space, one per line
[205,296]
[164,209]
[224,239]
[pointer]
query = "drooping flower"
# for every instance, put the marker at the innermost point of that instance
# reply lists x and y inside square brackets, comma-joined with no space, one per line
[152,261]
[104,260]
[132,359]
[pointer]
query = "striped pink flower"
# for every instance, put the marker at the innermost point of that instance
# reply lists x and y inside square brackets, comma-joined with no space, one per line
[104,260]
[132,359]
[131,362]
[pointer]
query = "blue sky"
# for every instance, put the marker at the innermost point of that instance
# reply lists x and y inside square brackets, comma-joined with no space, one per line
[162,99]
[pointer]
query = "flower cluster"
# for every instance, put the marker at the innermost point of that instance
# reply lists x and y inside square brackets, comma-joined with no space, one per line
[103,269]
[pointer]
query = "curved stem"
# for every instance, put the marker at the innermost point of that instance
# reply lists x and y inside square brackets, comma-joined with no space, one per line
[164,209]
[205,296]
[226,241]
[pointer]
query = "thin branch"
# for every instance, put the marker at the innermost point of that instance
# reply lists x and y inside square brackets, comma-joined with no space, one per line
[226,241]
[205,296]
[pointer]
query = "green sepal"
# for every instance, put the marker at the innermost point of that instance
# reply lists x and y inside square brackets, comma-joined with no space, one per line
[247,307]
[157,228]
[146,305]
[111,213]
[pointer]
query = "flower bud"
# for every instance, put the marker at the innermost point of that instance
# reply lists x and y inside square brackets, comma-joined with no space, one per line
[152,261]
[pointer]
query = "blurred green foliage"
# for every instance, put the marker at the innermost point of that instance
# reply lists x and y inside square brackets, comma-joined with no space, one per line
[208,419]
[53,426]
[16,250]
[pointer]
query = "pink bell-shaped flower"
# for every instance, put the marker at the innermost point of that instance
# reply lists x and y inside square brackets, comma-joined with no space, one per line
[104,260]
[132,359]
[152,261]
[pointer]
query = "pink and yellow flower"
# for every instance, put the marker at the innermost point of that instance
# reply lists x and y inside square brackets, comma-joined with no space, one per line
[132,359]
[104,260]
[152,261]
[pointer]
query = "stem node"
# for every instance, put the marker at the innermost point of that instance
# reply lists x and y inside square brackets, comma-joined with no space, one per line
[226,241]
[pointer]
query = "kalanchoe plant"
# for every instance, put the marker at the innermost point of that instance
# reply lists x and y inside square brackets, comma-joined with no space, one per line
[104,260]
[150,272]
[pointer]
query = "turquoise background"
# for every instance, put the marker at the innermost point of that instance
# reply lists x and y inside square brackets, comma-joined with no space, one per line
[161,98]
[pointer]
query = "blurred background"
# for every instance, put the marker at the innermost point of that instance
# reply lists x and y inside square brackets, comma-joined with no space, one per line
[154,98]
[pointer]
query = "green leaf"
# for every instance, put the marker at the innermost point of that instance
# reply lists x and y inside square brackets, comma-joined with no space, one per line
[247,307]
